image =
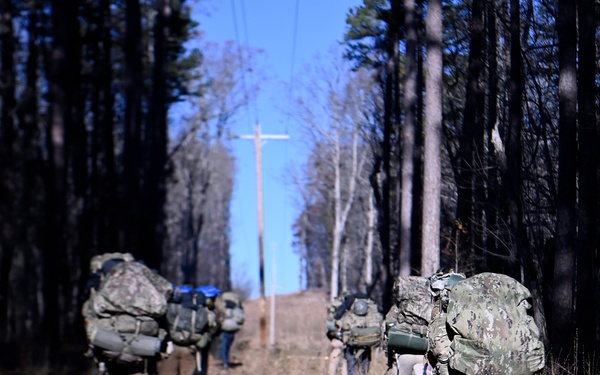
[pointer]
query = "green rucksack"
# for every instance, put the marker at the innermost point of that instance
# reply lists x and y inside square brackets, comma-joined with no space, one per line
[187,316]
[361,323]
[484,328]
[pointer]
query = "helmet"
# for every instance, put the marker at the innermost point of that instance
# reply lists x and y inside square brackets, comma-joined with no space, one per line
[360,307]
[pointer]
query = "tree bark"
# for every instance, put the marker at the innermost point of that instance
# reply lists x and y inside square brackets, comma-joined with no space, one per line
[564,264]
[130,229]
[408,138]
[587,259]
[433,134]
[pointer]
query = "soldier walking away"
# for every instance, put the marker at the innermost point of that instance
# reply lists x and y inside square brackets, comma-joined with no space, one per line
[189,329]
[483,326]
[124,315]
[360,321]
[210,292]
[230,317]
[334,334]
[405,336]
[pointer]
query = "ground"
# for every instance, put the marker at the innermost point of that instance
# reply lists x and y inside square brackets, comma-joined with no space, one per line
[300,346]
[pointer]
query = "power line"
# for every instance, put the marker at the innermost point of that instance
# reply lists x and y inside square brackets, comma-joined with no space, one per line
[243,62]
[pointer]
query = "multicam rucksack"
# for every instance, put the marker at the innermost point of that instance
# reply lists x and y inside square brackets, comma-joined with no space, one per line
[406,321]
[187,316]
[484,327]
[122,314]
[361,322]
[230,314]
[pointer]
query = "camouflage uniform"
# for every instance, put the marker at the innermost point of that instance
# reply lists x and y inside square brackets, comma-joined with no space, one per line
[358,331]
[486,317]
[410,314]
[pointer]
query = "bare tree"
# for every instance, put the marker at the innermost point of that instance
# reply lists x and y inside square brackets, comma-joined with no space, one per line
[337,125]
[433,133]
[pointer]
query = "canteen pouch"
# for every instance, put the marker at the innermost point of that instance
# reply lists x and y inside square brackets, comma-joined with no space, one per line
[400,340]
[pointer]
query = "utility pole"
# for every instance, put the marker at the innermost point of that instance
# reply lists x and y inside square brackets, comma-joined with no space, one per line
[258,137]
[273,289]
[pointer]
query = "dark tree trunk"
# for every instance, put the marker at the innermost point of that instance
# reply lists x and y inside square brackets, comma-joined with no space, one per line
[156,145]
[8,138]
[493,191]
[512,176]
[54,256]
[587,261]
[407,141]
[470,137]
[130,228]
[564,263]
[385,216]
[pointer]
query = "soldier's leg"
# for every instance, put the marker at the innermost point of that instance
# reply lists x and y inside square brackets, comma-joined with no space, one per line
[351,361]
[405,363]
[170,365]
[335,356]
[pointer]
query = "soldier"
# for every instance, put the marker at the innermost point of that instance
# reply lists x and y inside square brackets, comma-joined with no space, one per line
[334,334]
[190,330]
[230,317]
[360,322]
[211,292]
[404,339]
[485,320]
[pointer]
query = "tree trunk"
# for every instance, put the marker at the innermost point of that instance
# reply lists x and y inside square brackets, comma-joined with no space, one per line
[493,191]
[564,264]
[433,143]
[155,144]
[468,140]
[8,138]
[587,259]
[132,80]
[408,138]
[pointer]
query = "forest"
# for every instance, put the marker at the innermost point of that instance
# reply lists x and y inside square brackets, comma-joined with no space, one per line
[447,134]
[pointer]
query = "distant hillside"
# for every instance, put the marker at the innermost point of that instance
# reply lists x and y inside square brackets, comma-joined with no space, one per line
[301,346]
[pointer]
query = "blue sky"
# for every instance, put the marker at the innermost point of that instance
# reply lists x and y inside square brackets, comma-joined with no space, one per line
[292,33]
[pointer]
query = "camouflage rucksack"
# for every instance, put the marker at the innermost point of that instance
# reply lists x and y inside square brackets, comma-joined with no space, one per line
[361,323]
[231,315]
[122,315]
[406,321]
[187,316]
[484,327]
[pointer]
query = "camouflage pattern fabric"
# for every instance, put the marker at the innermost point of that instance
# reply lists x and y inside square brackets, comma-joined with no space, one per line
[492,333]
[363,330]
[134,289]
[411,314]
[98,260]
[413,300]
[230,313]
[439,343]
